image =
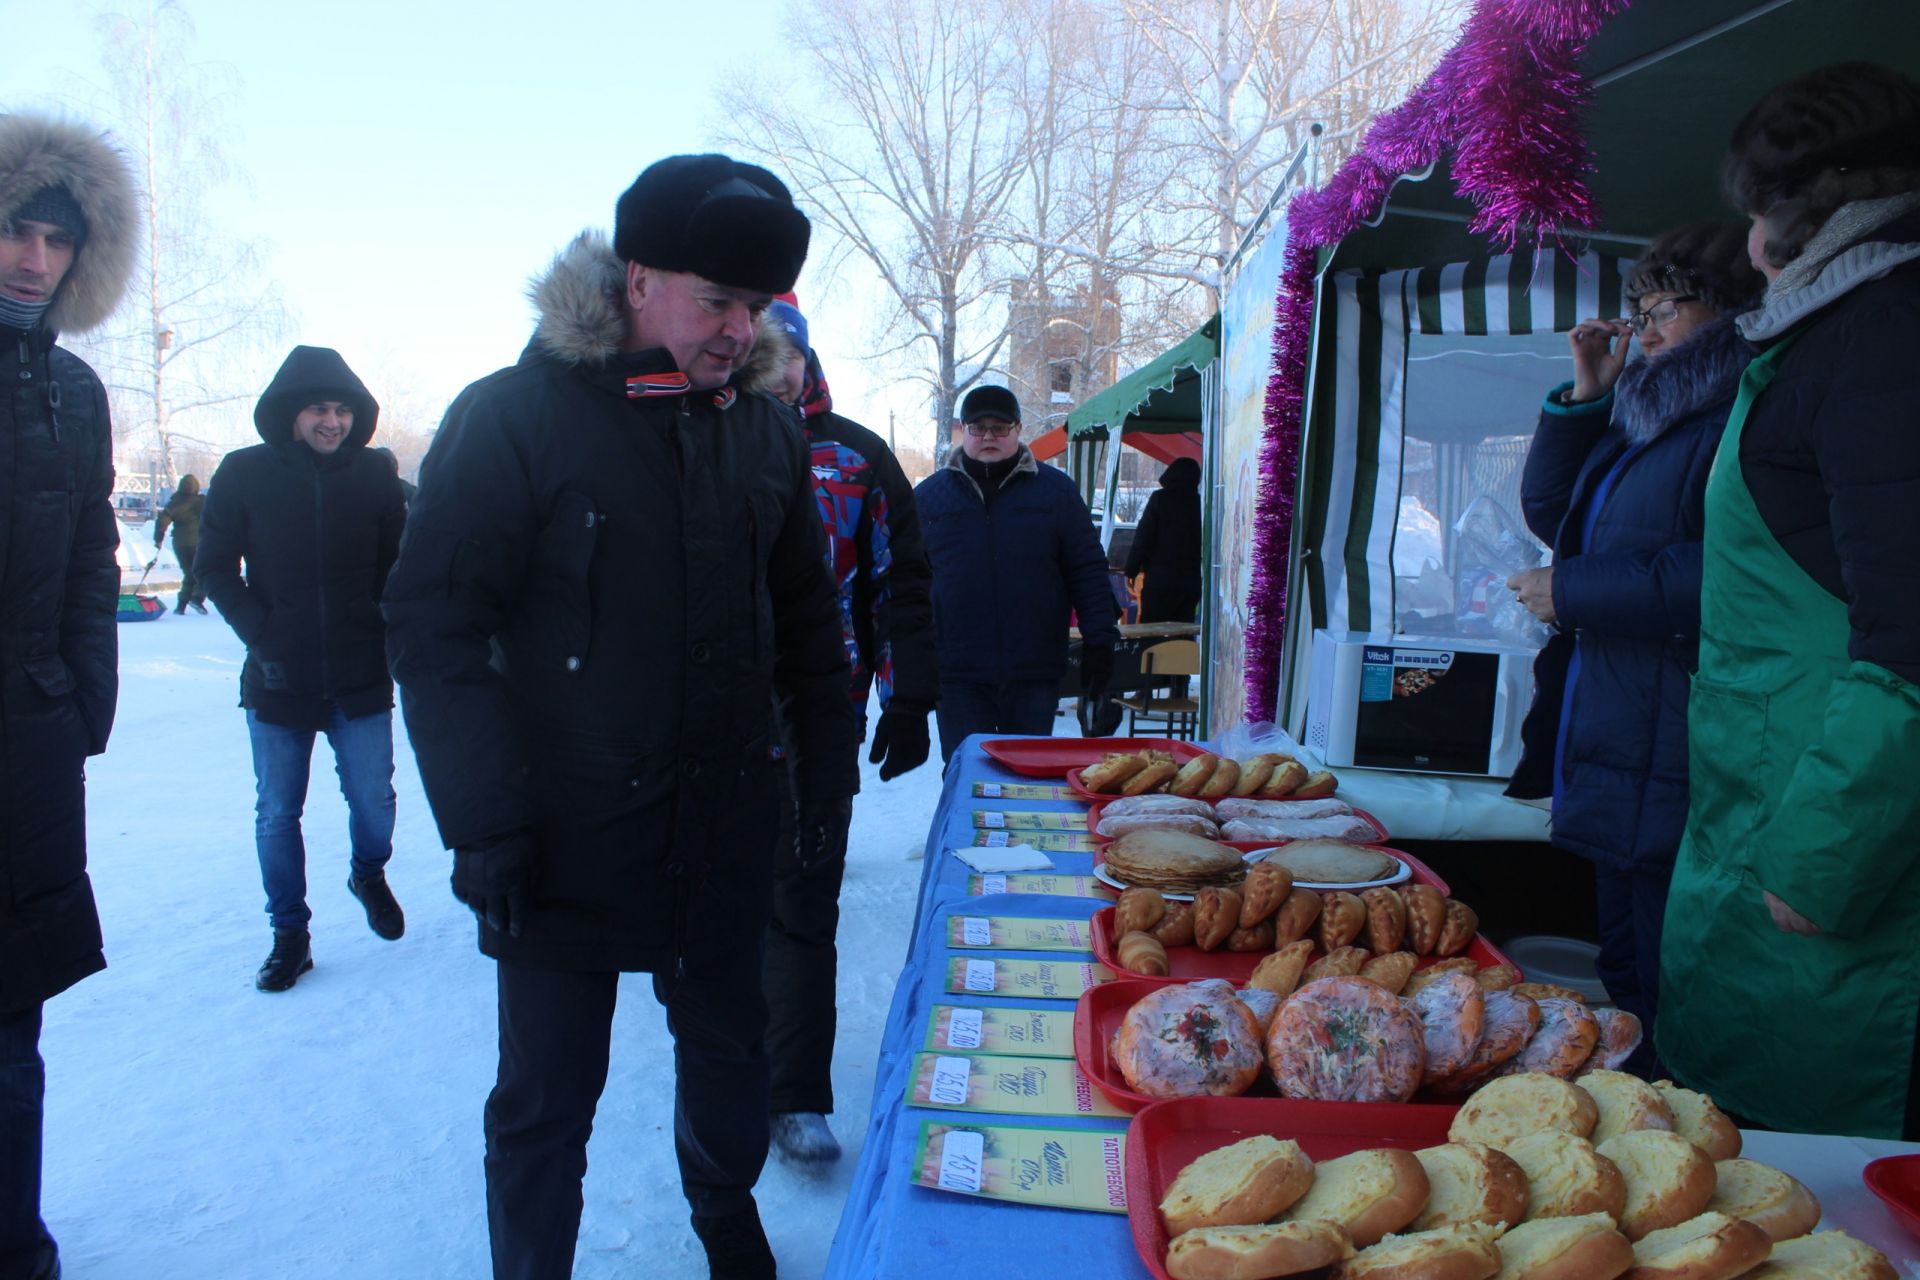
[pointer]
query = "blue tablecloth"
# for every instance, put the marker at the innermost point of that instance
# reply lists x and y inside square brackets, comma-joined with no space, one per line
[891,1228]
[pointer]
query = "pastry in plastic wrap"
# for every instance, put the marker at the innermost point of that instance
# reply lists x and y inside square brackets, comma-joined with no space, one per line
[1263,892]
[1337,827]
[1342,917]
[1341,962]
[1141,953]
[1216,914]
[1297,916]
[1426,917]
[1510,1022]
[1264,1004]
[1451,1012]
[1112,826]
[1345,1040]
[1497,977]
[1138,909]
[1188,1039]
[1620,1035]
[1127,806]
[1564,1041]
[1280,972]
[1438,970]
[1250,1181]
[1386,919]
[1391,971]
[1254,807]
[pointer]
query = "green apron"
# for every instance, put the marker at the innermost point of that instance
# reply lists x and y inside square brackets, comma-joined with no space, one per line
[1796,787]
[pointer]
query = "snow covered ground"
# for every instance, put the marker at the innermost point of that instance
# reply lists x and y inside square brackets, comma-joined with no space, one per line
[198,1128]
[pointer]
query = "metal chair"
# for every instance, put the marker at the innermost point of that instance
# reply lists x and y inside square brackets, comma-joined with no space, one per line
[1165,667]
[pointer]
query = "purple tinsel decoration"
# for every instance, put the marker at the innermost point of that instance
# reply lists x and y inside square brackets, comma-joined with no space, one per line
[1507,102]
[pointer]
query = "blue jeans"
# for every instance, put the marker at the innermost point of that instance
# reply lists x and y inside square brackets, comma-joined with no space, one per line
[363,757]
[24,1243]
[1021,706]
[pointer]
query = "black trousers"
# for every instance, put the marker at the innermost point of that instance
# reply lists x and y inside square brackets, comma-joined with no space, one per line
[555,1030]
[1630,908]
[1168,604]
[25,1246]
[801,969]
[1024,706]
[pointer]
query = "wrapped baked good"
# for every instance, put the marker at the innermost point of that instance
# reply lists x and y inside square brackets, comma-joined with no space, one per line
[1369,1193]
[1561,1046]
[1510,1022]
[1426,917]
[1436,971]
[1620,1035]
[1187,1039]
[1281,972]
[1255,937]
[1176,927]
[1263,891]
[1152,778]
[1342,917]
[1497,977]
[1451,1011]
[1548,991]
[1296,916]
[1225,775]
[1138,909]
[1516,1105]
[1341,962]
[1386,919]
[1348,827]
[1141,953]
[1264,1004]
[1112,827]
[1216,914]
[1669,1180]
[1254,807]
[1250,1181]
[1566,1177]
[1123,806]
[1391,971]
[1470,1183]
[1193,775]
[1112,771]
[1457,930]
[1345,1040]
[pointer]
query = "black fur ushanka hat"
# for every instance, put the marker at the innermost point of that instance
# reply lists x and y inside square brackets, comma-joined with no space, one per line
[732,223]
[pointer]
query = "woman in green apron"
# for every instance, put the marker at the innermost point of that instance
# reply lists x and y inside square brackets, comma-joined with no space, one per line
[1790,971]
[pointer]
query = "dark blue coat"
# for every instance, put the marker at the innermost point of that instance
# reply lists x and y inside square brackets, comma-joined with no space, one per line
[1006,578]
[1629,597]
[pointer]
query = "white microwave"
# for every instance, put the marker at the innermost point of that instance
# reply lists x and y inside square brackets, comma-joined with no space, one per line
[1423,704]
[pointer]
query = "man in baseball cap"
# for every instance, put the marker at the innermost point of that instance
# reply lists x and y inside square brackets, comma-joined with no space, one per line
[611,569]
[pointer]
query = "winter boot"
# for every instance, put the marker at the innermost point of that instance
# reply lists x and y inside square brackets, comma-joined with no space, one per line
[199,608]
[736,1245]
[802,1137]
[292,955]
[383,913]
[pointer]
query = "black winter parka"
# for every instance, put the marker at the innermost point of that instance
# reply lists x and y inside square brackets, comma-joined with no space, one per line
[59,654]
[598,593]
[318,533]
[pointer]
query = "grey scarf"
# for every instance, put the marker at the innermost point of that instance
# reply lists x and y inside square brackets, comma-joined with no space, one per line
[1827,269]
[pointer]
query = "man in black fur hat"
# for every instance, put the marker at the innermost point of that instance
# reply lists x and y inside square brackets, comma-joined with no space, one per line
[612,566]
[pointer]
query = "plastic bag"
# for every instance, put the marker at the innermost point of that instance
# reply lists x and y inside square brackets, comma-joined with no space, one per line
[1490,546]
[1244,740]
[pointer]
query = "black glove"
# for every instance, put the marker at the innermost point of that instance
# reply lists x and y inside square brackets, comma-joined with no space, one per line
[496,881]
[1096,669]
[899,740]
[822,834]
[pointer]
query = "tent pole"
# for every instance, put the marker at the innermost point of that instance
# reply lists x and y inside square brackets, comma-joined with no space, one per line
[1113,488]
[1681,46]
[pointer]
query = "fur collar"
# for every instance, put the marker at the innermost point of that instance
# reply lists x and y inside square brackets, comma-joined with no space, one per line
[38,151]
[580,299]
[1653,395]
[772,348]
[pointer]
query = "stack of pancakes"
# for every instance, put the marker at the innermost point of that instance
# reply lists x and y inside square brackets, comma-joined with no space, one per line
[1173,862]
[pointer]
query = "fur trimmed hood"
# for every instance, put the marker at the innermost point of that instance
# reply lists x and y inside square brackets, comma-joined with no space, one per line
[580,298]
[1653,395]
[772,348]
[39,151]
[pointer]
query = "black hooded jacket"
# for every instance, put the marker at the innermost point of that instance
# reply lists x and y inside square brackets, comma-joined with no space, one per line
[1166,546]
[318,533]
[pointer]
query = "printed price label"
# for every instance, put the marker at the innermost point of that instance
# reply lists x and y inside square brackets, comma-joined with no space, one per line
[987,790]
[963,1029]
[994,839]
[992,884]
[975,931]
[980,975]
[993,821]
[950,1078]
[962,1157]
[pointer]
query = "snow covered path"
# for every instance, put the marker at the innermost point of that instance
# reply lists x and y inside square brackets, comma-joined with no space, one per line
[197,1128]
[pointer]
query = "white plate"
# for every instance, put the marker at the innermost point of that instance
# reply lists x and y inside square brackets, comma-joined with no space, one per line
[1404,873]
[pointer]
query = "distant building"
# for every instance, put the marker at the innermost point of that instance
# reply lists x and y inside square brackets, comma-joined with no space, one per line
[1062,347]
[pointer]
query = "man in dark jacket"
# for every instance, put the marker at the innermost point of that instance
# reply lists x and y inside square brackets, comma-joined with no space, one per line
[612,567]
[1014,557]
[1166,546]
[183,511]
[316,515]
[886,620]
[67,236]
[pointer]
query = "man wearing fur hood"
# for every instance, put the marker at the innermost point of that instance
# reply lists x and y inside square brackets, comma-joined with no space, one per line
[612,565]
[67,236]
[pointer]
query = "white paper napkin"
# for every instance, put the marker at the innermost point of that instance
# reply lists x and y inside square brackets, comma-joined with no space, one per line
[1012,857]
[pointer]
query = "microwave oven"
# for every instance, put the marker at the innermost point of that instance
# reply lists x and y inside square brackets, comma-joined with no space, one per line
[1424,704]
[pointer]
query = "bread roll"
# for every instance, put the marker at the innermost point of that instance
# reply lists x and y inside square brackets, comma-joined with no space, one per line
[1187,1039]
[1370,1193]
[1250,1181]
[1426,917]
[1345,1040]
[1827,1255]
[1626,1103]
[1669,1180]
[1709,1247]
[1296,916]
[1471,1183]
[1256,1252]
[1225,775]
[1254,774]
[1142,953]
[1386,919]
[1176,927]
[1582,1248]
[1280,972]
[1391,971]
[1263,892]
[1152,778]
[1775,1202]
[1318,783]
[1284,780]
[1445,1253]
[1137,910]
[1113,770]
[1216,914]
[1566,1177]
[1342,917]
[1193,775]
[1696,1119]
[1514,1106]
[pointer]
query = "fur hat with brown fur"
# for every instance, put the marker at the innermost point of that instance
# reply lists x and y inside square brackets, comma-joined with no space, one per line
[38,152]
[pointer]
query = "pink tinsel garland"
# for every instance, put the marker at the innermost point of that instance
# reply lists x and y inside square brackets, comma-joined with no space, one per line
[1506,101]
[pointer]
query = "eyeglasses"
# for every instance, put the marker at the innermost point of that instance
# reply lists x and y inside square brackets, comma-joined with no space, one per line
[998,430]
[1660,313]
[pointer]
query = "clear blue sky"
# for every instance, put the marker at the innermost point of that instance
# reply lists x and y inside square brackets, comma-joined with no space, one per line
[411,164]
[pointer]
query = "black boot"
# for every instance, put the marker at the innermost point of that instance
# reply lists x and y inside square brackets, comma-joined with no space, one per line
[384,916]
[292,955]
[737,1247]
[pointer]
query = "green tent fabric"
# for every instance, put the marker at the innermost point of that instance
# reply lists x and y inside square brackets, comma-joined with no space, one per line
[1161,397]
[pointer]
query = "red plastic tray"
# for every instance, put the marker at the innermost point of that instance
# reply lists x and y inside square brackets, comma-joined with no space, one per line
[1895,1179]
[1055,757]
[1099,806]
[1166,1137]
[1421,872]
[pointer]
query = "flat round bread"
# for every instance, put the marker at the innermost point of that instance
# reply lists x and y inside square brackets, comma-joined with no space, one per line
[1173,861]
[1334,862]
